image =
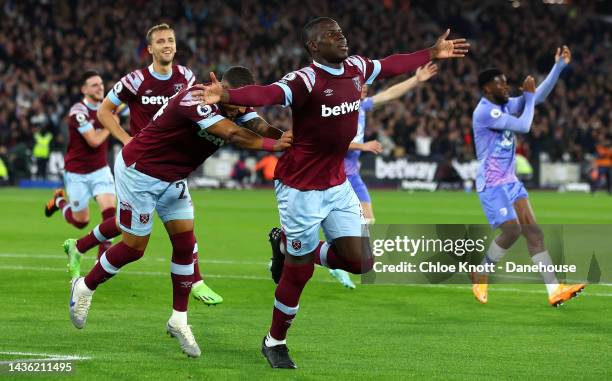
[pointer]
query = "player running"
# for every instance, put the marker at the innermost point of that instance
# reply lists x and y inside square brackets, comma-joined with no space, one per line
[145,91]
[504,199]
[151,173]
[311,186]
[351,161]
[87,174]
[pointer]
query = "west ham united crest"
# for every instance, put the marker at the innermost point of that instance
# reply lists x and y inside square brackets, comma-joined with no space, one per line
[178,87]
[357,82]
[144,218]
[296,244]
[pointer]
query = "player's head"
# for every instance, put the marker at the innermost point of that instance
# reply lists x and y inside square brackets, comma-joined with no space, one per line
[323,38]
[161,43]
[493,84]
[92,86]
[234,77]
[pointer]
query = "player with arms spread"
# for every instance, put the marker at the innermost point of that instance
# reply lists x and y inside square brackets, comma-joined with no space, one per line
[145,91]
[496,120]
[151,173]
[311,186]
[87,174]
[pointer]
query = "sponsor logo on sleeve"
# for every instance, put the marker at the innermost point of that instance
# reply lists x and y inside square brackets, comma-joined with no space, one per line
[81,119]
[118,87]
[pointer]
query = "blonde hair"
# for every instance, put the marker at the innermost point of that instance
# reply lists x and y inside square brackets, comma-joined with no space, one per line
[156,28]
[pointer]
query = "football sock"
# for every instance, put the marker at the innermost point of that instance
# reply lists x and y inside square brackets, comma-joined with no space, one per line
[197,277]
[327,257]
[67,213]
[287,297]
[110,262]
[272,342]
[550,279]
[103,232]
[494,254]
[178,318]
[181,269]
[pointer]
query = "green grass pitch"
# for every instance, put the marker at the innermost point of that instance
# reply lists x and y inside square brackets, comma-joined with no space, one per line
[379,332]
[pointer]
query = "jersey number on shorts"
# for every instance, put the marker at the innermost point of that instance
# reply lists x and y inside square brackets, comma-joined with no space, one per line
[181,184]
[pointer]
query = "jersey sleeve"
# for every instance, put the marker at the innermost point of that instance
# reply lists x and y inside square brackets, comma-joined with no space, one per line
[368,68]
[188,74]
[126,89]
[297,86]
[515,105]
[248,115]
[80,119]
[203,115]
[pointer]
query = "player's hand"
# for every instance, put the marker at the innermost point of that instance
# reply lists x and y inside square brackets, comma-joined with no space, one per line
[284,142]
[213,93]
[423,73]
[372,146]
[199,93]
[449,48]
[563,53]
[529,84]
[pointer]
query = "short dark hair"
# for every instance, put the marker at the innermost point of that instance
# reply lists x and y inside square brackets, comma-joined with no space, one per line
[154,29]
[310,25]
[487,76]
[88,74]
[238,76]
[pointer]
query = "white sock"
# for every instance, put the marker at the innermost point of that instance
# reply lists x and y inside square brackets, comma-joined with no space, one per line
[82,287]
[283,249]
[272,342]
[494,254]
[178,318]
[197,284]
[550,279]
[57,201]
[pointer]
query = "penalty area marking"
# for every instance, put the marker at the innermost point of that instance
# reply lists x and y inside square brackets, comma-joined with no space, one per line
[34,357]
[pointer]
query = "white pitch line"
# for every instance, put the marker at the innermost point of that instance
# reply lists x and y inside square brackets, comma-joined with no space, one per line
[43,357]
[255,277]
[93,257]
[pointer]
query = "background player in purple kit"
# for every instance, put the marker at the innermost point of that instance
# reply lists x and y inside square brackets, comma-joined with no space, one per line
[496,120]
[351,161]
[151,173]
[145,91]
[87,174]
[311,186]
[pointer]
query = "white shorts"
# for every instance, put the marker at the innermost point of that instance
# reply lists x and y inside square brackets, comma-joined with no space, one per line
[302,213]
[138,195]
[83,187]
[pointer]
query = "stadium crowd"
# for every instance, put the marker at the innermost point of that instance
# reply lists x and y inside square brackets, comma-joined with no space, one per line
[45,45]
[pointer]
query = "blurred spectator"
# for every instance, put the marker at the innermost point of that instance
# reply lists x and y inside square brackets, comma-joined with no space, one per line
[42,150]
[265,168]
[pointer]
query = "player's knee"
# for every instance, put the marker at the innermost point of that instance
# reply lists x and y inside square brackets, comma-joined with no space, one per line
[299,274]
[533,234]
[183,244]
[80,224]
[511,232]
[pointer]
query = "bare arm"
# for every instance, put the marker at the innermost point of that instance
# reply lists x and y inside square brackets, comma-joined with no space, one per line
[423,74]
[247,139]
[371,146]
[263,128]
[95,137]
[106,116]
